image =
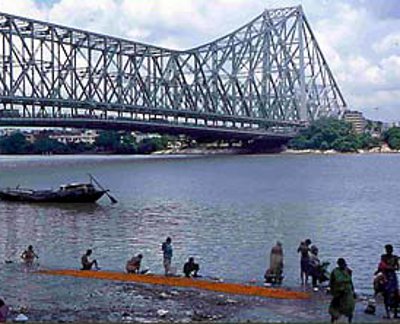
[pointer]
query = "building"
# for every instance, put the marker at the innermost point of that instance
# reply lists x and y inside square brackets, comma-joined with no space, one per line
[76,136]
[356,119]
[141,136]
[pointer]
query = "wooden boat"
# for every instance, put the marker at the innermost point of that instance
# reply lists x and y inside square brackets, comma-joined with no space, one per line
[70,193]
[223,287]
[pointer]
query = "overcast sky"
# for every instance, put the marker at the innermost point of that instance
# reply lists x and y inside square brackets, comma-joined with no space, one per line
[360,38]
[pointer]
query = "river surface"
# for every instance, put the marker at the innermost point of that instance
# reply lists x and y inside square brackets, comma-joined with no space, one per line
[226,211]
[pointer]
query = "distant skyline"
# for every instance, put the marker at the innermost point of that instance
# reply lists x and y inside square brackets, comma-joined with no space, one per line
[359,38]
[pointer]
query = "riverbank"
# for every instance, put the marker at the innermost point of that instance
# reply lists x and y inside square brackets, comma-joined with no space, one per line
[202,151]
[240,150]
[136,303]
[375,150]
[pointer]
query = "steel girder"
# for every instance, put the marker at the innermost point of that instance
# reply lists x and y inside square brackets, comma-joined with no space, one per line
[268,72]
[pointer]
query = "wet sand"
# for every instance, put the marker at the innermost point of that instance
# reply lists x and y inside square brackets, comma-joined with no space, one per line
[142,303]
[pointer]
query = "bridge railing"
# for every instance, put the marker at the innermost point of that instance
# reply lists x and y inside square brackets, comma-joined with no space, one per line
[152,121]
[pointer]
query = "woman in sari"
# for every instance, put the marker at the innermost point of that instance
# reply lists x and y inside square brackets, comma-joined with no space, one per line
[275,272]
[388,266]
[342,290]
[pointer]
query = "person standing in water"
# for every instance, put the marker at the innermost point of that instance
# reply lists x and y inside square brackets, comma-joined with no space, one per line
[342,290]
[275,272]
[388,266]
[314,268]
[29,255]
[304,250]
[167,255]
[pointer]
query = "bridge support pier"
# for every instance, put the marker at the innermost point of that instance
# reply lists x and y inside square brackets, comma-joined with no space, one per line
[264,146]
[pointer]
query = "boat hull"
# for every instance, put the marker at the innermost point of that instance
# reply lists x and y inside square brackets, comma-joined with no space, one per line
[51,196]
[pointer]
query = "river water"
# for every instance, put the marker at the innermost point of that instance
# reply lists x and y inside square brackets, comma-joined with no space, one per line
[226,211]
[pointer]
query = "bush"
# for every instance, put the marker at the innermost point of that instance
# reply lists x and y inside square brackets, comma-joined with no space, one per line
[331,133]
[392,137]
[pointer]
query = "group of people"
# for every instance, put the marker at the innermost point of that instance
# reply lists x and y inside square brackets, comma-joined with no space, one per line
[310,264]
[133,265]
[190,268]
[340,280]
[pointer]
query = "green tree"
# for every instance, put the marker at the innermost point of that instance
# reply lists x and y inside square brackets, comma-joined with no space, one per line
[127,144]
[108,141]
[392,138]
[149,145]
[368,142]
[332,133]
[348,143]
[48,145]
[14,144]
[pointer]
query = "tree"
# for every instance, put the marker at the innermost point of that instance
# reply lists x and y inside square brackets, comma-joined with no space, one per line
[368,142]
[332,133]
[349,143]
[392,138]
[108,140]
[127,145]
[48,145]
[149,145]
[14,144]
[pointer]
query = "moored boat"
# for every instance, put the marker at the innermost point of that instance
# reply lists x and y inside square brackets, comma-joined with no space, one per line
[69,193]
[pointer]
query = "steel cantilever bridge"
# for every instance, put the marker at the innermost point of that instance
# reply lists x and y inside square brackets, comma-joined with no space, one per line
[263,81]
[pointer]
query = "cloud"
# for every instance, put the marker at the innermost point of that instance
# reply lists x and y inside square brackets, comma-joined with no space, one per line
[23,7]
[359,38]
[389,44]
[383,9]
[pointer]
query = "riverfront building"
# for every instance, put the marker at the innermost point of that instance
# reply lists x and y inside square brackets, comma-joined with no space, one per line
[356,119]
[76,136]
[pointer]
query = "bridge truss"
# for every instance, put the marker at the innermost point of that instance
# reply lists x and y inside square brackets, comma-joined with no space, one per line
[268,77]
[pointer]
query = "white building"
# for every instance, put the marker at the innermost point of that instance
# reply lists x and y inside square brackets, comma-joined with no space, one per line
[87,136]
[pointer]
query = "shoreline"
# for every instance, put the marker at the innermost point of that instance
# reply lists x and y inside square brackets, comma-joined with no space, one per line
[205,152]
[147,304]
[231,150]
[241,151]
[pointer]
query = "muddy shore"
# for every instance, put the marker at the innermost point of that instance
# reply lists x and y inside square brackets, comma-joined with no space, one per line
[141,303]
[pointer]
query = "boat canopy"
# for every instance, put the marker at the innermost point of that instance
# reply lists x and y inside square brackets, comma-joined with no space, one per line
[73,186]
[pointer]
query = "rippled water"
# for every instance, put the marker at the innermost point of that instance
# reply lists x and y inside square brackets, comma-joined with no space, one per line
[225,211]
